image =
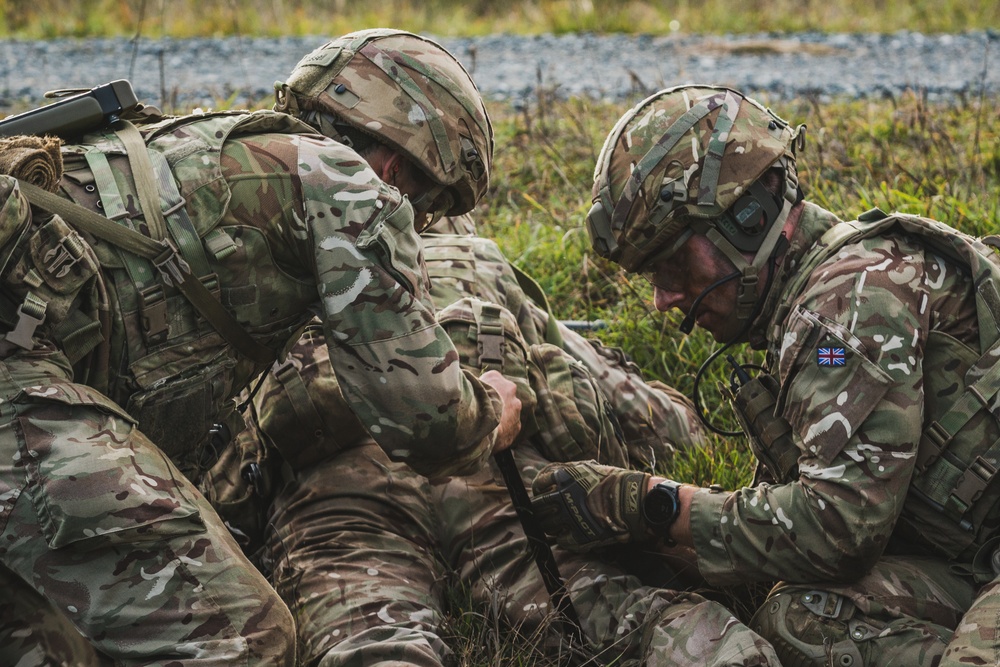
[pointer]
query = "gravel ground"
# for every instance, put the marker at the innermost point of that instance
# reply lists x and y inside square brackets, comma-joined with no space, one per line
[179,74]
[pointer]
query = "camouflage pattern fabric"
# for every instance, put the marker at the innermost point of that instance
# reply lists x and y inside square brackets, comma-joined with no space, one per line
[33,633]
[883,331]
[655,418]
[366,549]
[415,92]
[97,518]
[98,521]
[363,549]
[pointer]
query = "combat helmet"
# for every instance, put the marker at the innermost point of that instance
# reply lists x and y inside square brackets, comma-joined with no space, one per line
[410,94]
[688,160]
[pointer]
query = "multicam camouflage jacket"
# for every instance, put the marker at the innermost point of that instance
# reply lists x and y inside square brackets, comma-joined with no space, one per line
[569,387]
[280,225]
[654,418]
[870,348]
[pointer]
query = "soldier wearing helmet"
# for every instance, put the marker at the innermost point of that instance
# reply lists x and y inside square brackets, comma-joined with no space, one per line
[876,501]
[359,546]
[407,95]
[172,262]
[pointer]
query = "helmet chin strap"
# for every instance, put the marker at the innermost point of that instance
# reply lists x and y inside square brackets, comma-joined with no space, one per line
[748,294]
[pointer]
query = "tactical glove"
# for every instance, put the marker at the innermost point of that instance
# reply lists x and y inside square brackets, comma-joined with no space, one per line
[586,505]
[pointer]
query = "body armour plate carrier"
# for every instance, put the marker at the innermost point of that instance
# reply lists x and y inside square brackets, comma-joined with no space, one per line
[954,496]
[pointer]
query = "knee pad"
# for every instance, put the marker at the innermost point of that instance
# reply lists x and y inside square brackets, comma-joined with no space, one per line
[812,628]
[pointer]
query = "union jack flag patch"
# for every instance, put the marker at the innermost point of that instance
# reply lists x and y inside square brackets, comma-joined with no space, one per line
[831,356]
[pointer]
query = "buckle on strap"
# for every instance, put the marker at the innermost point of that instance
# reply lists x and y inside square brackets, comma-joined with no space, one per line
[153,307]
[973,482]
[934,441]
[30,314]
[171,264]
[491,340]
[60,259]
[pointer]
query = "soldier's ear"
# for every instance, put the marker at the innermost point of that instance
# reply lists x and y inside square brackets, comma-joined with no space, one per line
[389,165]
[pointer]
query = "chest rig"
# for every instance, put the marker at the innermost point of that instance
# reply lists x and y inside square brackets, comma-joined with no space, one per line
[144,205]
[954,500]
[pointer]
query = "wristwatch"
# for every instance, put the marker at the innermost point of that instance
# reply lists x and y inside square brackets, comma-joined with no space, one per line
[661,506]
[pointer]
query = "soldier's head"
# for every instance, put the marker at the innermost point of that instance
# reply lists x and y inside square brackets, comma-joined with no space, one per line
[389,89]
[693,186]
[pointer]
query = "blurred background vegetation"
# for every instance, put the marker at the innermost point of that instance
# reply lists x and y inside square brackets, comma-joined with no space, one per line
[37,19]
[904,153]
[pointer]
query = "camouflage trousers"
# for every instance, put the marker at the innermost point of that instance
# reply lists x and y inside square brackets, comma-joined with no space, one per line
[913,611]
[363,551]
[99,524]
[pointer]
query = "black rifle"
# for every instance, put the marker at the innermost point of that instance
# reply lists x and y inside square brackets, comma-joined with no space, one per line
[75,114]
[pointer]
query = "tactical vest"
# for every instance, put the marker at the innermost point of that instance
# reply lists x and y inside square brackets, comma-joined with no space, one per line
[954,500]
[122,318]
[563,410]
[573,419]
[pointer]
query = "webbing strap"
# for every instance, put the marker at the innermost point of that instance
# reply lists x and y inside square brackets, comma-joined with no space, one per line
[712,166]
[653,156]
[490,337]
[534,292]
[396,72]
[142,174]
[140,271]
[163,254]
[298,395]
[179,224]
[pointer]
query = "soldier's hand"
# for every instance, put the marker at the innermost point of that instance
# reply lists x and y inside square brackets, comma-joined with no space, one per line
[510,418]
[586,505]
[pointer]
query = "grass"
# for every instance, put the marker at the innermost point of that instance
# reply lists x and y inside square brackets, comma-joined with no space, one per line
[904,153]
[45,19]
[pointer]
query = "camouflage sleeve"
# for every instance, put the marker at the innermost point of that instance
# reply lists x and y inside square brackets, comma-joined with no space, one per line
[850,364]
[399,370]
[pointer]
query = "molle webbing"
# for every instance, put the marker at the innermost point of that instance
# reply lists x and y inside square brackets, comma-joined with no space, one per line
[299,396]
[164,256]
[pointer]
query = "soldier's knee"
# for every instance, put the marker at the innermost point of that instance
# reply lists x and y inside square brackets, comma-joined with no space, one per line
[811,628]
[270,635]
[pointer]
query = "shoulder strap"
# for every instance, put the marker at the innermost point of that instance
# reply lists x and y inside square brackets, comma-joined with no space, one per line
[534,292]
[165,257]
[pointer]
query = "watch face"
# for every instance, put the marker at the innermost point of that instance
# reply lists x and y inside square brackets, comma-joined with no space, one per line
[660,507]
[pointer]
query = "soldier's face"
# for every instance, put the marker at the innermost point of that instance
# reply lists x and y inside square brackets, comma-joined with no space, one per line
[679,280]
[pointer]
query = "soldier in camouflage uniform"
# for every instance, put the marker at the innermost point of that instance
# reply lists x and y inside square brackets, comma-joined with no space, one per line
[260,224]
[362,548]
[876,422]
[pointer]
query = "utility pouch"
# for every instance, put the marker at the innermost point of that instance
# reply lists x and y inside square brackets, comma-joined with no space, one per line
[55,266]
[239,486]
[770,435]
[576,422]
[487,337]
[178,414]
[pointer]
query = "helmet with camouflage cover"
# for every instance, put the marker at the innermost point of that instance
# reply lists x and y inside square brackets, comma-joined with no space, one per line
[689,160]
[408,93]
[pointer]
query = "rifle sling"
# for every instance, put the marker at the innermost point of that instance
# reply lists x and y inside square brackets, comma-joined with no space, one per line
[164,256]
